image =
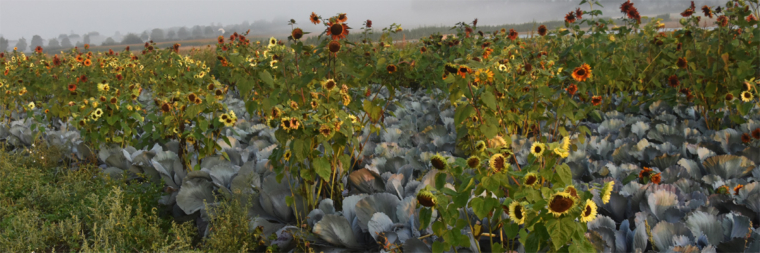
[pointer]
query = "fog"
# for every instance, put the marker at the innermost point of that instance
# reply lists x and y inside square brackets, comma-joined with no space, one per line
[51,18]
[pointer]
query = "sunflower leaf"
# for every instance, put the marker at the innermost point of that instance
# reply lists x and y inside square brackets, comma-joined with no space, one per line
[266,78]
[560,230]
[322,167]
[564,174]
[489,100]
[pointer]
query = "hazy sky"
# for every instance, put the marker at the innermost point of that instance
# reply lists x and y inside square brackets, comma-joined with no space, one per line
[49,18]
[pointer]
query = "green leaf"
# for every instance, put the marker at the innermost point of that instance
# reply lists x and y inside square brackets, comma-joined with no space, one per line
[490,183]
[462,113]
[536,238]
[298,149]
[425,215]
[489,100]
[203,124]
[560,230]
[440,180]
[111,120]
[322,166]
[267,78]
[564,174]
[117,139]
[479,207]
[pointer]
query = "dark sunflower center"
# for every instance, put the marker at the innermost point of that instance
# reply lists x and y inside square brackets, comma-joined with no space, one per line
[747,95]
[229,121]
[473,162]
[286,123]
[587,211]
[518,212]
[438,163]
[330,85]
[581,72]
[336,29]
[462,70]
[531,180]
[499,162]
[334,47]
[560,204]
[391,68]
[537,149]
[224,117]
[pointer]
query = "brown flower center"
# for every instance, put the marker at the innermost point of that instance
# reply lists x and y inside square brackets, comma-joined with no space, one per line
[587,211]
[519,212]
[531,180]
[438,163]
[336,29]
[560,204]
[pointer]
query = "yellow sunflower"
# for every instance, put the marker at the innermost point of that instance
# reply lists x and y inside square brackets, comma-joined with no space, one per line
[530,179]
[560,203]
[606,191]
[517,212]
[537,149]
[589,211]
[329,84]
[285,123]
[572,191]
[480,146]
[473,162]
[287,155]
[747,96]
[497,162]
[439,162]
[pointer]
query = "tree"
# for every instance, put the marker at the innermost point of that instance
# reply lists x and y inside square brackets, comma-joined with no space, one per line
[171,34]
[144,36]
[157,35]
[131,38]
[66,43]
[74,36]
[183,33]
[85,40]
[21,44]
[208,31]
[53,43]
[109,41]
[61,36]
[197,31]
[3,44]
[36,41]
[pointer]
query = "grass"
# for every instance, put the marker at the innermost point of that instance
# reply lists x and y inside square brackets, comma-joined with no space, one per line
[46,206]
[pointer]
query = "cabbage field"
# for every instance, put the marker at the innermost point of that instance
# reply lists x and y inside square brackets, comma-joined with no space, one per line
[615,137]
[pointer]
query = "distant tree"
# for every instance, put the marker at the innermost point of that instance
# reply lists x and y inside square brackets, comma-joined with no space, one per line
[131,38]
[36,41]
[197,31]
[21,44]
[61,36]
[94,33]
[109,41]
[80,44]
[74,36]
[144,36]
[171,34]
[208,31]
[183,33]
[157,35]
[53,43]
[3,44]
[85,40]
[66,43]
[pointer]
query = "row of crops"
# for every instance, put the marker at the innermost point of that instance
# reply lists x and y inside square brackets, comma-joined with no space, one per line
[619,137]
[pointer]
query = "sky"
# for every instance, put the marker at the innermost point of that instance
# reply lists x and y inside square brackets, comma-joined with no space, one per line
[49,18]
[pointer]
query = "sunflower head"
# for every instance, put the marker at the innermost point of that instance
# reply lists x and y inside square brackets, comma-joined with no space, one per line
[572,89]
[391,68]
[607,191]
[756,133]
[314,18]
[439,162]
[296,34]
[537,149]
[480,146]
[325,130]
[329,84]
[589,211]
[497,162]
[473,162]
[542,30]
[572,191]
[582,73]
[747,96]
[285,123]
[294,123]
[531,179]
[287,155]
[426,198]
[656,178]
[333,46]
[681,63]
[276,112]
[560,203]
[517,212]
[673,81]
[746,138]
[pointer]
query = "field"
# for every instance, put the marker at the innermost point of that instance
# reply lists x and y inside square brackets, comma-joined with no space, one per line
[588,137]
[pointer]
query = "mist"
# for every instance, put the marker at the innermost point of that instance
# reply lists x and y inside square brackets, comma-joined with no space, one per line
[51,18]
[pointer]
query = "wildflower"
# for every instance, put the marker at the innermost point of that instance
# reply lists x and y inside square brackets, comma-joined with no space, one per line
[314,18]
[103,87]
[325,130]
[542,30]
[439,162]
[483,75]
[579,13]
[463,70]
[722,21]
[673,81]
[530,179]
[72,87]
[681,62]
[391,68]
[480,146]
[537,149]
[98,112]
[38,49]
[572,191]
[589,211]
[747,96]
[560,203]
[287,155]
[337,30]
[426,198]
[333,46]
[517,213]
[497,162]
[756,133]
[88,62]
[473,162]
[570,17]
[285,123]
[582,73]
[329,84]
[571,89]
[502,67]
[607,191]
[656,178]
[512,34]
[31,105]
[596,100]
[707,11]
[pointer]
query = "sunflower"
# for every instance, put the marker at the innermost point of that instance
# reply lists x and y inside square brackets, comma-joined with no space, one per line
[423,49]
[530,179]
[342,18]
[537,149]
[746,86]
[426,198]
[439,162]
[564,153]
[747,96]
[582,73]
[329,84]
[502,67]
[589,211]
[346,99]
[38,49]
[314,18]
[656,178]
[272,42]
[645,172]
[723,189]
[333,46]
[31,105]
[285,123]
[512,34]
[756,133]
[325,130]
[707,11]
[480,146]
[517,212]
[102,98]
[353,119]
[473,162]
[687,13]
[571,89]
[391,68]
[463,70]
[287,155]
[722,21]
[113,100]
[198,101]
[596,100]
[191,97]
[681,63]
[497,162]
[483,75]
[337,30]
[673,81]
[579,13]
[294,123]
[314,104]
[72,87]
[572,191]
[542,30]
[296,34]
[607,191]
[88,62]
[98,112]
[223,118]
[570,17]
[560,203]
[729,97]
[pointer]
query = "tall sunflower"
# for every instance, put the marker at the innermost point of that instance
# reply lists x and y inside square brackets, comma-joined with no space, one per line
[560,203]
[607,191]
[517,212]
[589,211]
[497,162]
[530,179]
[314,18]
[439,162]
[582,73]
[537,149]
[337,30]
